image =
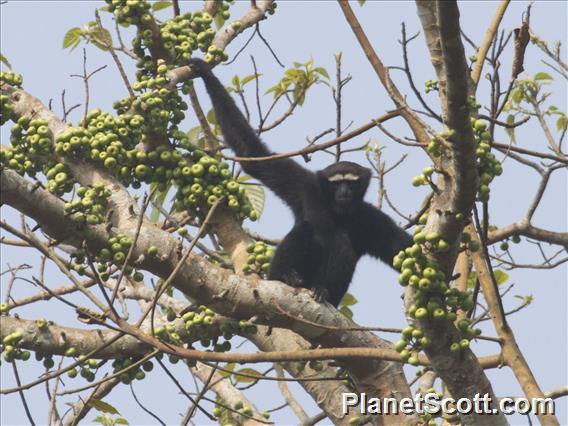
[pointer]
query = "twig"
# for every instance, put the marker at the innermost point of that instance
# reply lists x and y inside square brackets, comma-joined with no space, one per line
[530,152]
[85,79]
[262,128]
[416,124]
[397,139]
[392,206]
[257,30]
[514,265]
[114,375]
[164,286]
[66,111]
[408,73]
[499,300]
[115,58]
[294,405]
[13,272]
[241,49]
[53,397]
[81,408]
[337,98]
[210,139]
[147,411]
[202,392]
[181,388]
[556,57]
[502,123]
[263,376]
[30,238]
[131,249]
[315,419]
[318,147]
[544,125]
[257,88]
[21,393]
[122,48]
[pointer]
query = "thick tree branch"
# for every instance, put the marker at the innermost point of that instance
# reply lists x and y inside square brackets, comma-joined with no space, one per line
[426,11]
[512,354]
[373,378]
[418,128]
[224,36]
[528,230]
[237,297]
[487,41]
[457,187]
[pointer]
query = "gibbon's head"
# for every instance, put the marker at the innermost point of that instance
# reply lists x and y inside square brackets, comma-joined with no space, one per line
[344,185]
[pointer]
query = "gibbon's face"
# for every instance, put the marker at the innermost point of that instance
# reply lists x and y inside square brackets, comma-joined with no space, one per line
[344,185]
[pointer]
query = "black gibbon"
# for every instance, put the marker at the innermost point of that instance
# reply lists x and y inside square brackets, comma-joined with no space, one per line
[333,227]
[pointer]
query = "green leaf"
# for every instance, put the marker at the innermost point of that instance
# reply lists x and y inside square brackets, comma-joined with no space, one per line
[517,96]
[243,178]
[72,38]
[322,71]
[255,194]
[158,201]
[103,407]
[562,123]
[272,89]
[121,421]
[293,73]
[194,134]
[5,61]
[348,300]
[346,312]
[361,2]
[543,76]
[159,5]
[219,20]
[299,95]
[211,117]
[500,276]
[235,81]
[249,78]
[228,369]
[101,419]
[471,279]
[552,109]
[511,130]
[527,300]
[249,371]
[101,38]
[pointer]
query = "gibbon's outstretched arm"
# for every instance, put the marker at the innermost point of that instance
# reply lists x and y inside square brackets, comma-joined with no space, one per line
[380,235]
[285,177]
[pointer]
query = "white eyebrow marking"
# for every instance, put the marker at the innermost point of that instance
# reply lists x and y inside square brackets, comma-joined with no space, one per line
[339,177]
[335,178]
[350,176]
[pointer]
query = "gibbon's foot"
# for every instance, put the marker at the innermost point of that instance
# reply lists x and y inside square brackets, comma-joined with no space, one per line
[293,279]
[320,294]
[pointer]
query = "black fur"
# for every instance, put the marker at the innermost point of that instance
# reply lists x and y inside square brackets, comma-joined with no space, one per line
[333,228]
